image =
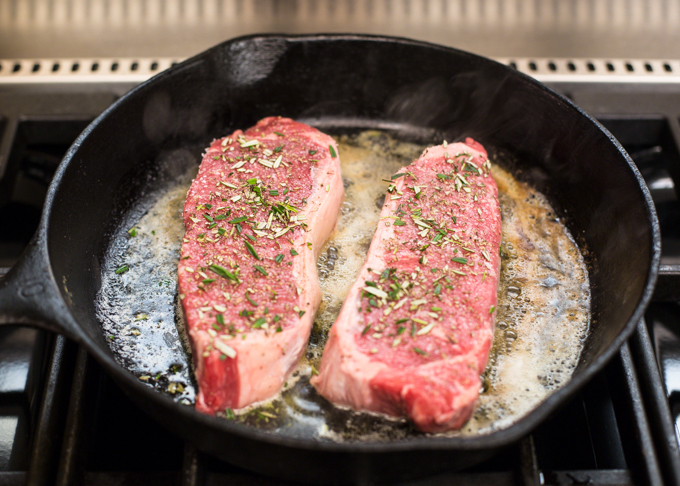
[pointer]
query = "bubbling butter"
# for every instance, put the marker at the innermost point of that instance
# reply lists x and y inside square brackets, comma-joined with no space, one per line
[542,316]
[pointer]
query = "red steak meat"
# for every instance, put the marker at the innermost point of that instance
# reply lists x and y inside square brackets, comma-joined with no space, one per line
[256,216]
[415,331]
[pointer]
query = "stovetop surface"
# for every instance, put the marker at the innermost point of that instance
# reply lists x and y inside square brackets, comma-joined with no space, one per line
[63,421]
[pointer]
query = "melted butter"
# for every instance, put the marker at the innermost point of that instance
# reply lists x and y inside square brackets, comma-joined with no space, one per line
[138,308]
[543,310]
[541,322]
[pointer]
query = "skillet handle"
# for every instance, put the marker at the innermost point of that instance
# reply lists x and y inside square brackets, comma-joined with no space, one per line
[29,295]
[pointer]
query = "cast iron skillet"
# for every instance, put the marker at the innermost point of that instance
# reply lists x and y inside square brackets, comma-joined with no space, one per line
[337,83]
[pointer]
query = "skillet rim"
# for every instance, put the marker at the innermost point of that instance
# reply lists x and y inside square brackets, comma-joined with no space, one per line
[494,439]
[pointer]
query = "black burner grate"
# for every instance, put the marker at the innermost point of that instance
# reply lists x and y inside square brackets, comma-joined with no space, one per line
[63,421]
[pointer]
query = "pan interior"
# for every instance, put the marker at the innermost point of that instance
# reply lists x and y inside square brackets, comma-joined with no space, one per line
[341,85]
[534,352]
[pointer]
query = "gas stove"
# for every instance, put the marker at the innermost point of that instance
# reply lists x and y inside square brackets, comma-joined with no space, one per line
[64,421]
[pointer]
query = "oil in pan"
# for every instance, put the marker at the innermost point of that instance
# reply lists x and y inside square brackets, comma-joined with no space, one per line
[541,322]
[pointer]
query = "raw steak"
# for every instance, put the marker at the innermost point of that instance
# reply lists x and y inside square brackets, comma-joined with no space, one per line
[261,207]
[415,331]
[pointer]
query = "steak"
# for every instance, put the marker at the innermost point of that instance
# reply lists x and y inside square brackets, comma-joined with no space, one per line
[256,216]
[415,331]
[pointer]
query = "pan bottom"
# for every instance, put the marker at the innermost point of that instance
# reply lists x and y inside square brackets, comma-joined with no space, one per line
[542,316]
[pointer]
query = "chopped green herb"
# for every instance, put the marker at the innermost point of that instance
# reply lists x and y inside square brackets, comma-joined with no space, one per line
[258,323]
[333,154]
[251,300]
[208,206]
[220,217]
[399,222]
[223,357]
[223,272]
[209,218]
[365,329]
[400,330]
[261,270]
[221,231]
[220,319]
[278,149]
[397,176]
[279,258]
[251,237]
[301,313]
[207,281]
[278,329]
[459,260]
[293,252]
[419,351]
[493,308]
[252,251]
[311,152]
[279,134]
[229,413]
[132,232]
[399,321]
[240,219]
[277,318]
[274,193]
[122,269]
[252,181]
